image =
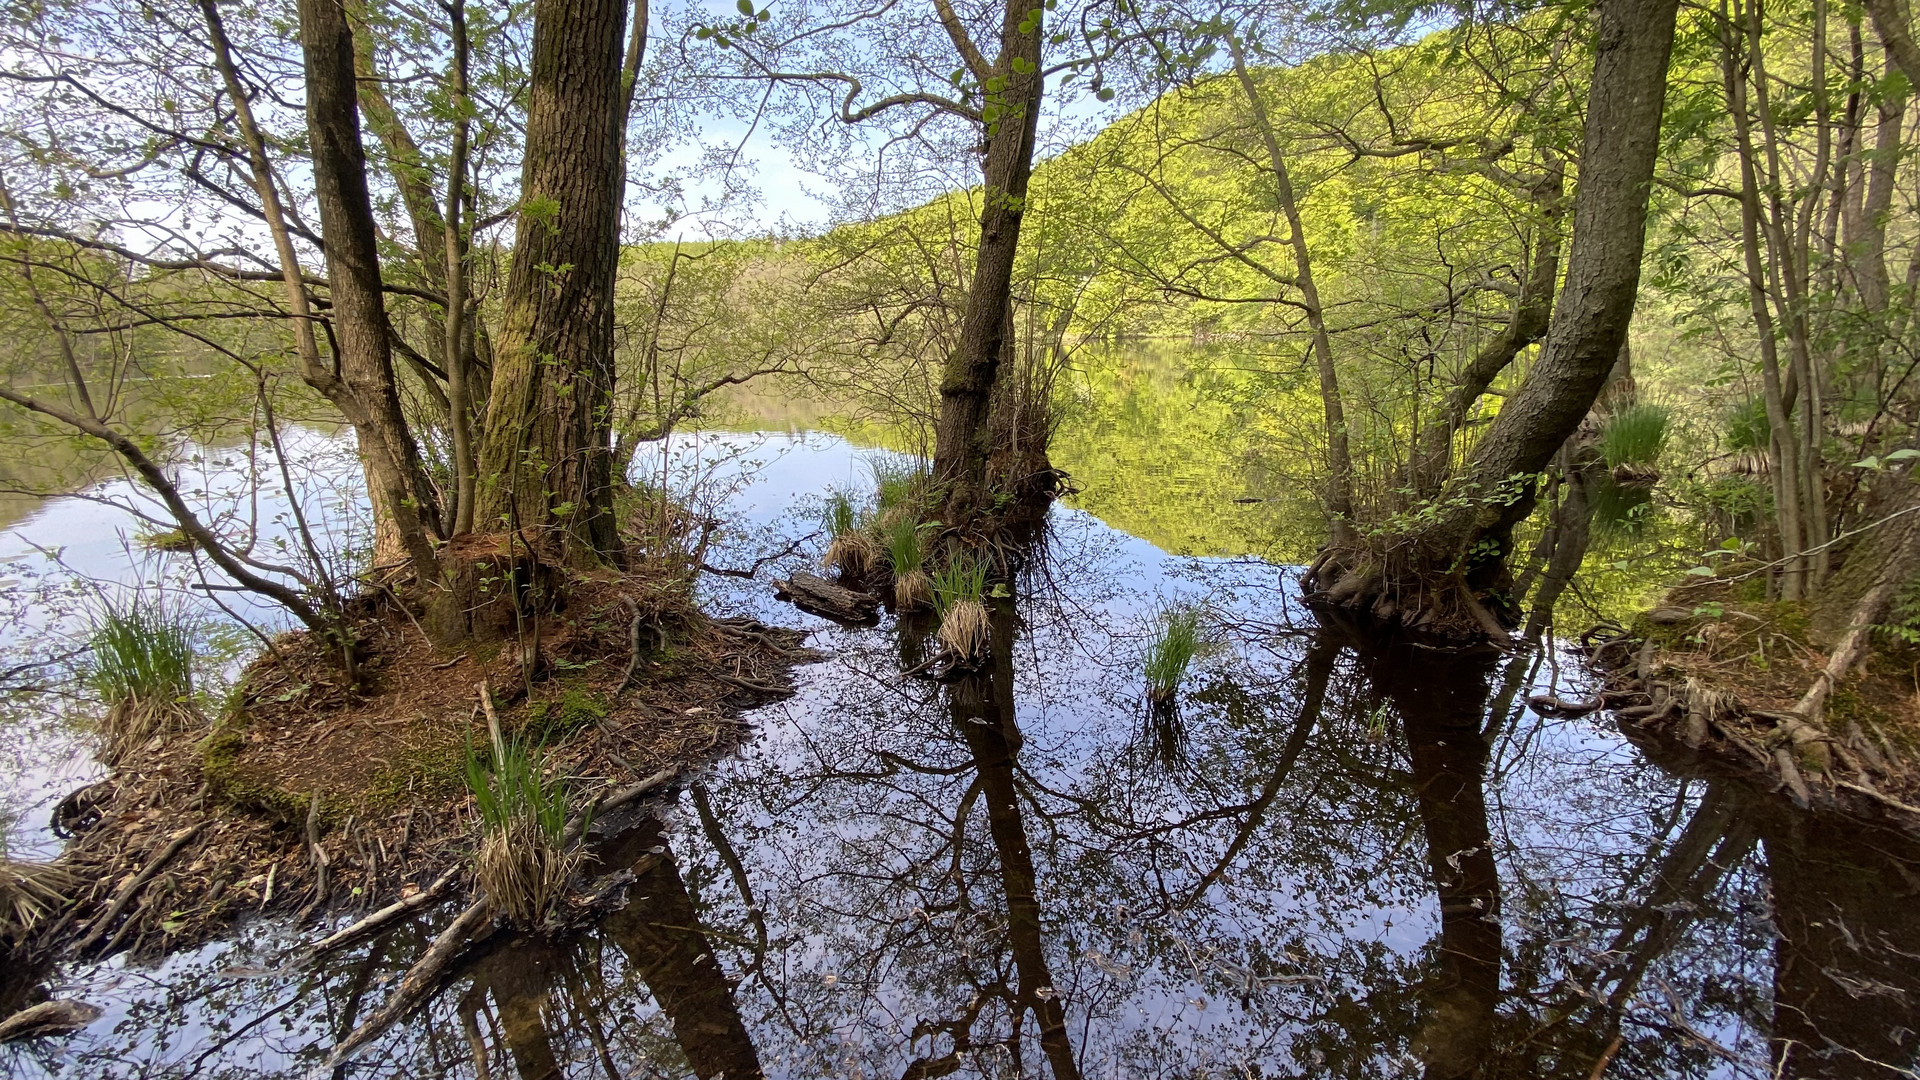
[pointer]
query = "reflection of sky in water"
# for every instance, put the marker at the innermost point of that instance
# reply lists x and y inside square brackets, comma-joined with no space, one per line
[72,554]
[1313,952]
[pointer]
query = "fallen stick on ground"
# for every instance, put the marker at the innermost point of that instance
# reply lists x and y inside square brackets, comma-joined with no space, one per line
[132,888]
[388,915]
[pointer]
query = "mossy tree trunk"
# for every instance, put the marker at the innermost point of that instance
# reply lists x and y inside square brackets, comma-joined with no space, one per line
[405,520]
[545,455]
[962,441]
[1449,573]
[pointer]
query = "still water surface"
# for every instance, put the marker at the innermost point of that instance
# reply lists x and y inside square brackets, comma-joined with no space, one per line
[1327,862]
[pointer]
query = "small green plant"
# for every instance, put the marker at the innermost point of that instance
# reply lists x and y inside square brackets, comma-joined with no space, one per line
[839,514]
[912,588]
[959,591]
[142,670]
[523,865]
[1634,436]
[1178,639]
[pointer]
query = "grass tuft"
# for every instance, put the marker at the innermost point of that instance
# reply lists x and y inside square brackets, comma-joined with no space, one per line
[522,866]
[852,551]
[897,481]
[959,593]
[29,892]
[1634,436]
[1748,427]
[906,556]
[142,670]
[1177,640]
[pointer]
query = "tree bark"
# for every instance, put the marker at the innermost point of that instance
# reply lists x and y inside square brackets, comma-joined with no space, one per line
[403,505]
[1891,23]
[961,443]
[1783,446]
[545,454]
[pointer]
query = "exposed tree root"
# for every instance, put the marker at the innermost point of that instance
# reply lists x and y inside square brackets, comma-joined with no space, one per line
[1819,770]
[1392,594]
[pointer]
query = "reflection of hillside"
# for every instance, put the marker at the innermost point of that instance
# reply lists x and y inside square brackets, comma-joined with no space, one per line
[202,404]
[1161,441]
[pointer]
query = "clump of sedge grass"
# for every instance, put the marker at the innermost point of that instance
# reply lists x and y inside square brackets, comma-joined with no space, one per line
[142,670]
[959,592]
[523,866]
[850,551]
[1177,641]
[897,482]
[29,892]
[906,557]
[1634,436]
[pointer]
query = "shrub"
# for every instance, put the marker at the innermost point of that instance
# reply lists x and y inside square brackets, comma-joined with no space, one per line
[522,866]
[1177,640]
[959,592]
[142,670]
[1634,436]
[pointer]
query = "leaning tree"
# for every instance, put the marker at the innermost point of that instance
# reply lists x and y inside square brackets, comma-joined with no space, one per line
[934,83]
[1439,563]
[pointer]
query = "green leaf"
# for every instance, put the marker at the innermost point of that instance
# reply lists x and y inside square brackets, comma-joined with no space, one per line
[745,7]
[1701,571]
[1867,463]
[1902,455]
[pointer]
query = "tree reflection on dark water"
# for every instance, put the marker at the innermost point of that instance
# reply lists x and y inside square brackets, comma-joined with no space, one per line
[1329,861]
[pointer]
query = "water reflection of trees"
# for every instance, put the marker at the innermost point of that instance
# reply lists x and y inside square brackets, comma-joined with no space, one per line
[1318,888]
[1365,864]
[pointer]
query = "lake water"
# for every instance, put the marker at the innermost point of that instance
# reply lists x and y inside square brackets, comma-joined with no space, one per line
[1327,861]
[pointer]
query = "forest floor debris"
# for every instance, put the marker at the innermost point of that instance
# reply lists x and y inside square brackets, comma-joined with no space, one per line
[310,796]
[1724,676]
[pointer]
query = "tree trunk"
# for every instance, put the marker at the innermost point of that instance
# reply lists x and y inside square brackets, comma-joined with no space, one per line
[961,443]
[1783,447]
[403,501]
[1464,552]
[545,454]
[1339,494]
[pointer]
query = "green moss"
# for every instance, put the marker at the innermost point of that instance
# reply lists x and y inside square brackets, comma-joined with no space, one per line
[432,771]
[553,719]
[230,782]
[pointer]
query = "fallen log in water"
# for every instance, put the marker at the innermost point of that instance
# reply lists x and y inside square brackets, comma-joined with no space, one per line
[816,595]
